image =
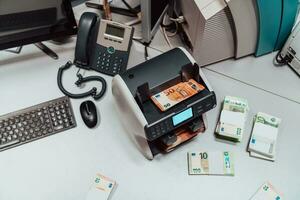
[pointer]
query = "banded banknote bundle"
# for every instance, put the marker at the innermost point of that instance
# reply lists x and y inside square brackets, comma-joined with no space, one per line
[232,119]
[264,136]
[267,192]
[101,188]
[211,163]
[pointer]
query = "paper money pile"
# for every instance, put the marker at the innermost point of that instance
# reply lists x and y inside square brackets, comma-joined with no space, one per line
[101,188]
[264,136]
[267,192]
[168,142]
[175,94]
[232,119]
[211,163]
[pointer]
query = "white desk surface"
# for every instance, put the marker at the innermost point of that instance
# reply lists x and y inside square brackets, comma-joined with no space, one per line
[63,166]
[261,73]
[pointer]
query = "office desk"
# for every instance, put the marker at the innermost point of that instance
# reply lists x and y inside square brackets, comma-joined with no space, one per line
[63,166]
[260,72]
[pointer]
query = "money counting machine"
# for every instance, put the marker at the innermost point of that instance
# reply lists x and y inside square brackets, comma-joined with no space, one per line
[151,129]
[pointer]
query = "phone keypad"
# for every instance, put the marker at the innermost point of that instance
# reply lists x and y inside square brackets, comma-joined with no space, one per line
[108,60]
[109,63]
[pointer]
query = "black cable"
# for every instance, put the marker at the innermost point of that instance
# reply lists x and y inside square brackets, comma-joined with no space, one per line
[92,92]
[130,8]
[146,45]
[279,61]
[93,78]
[167,25]
[146,52]
[138,40]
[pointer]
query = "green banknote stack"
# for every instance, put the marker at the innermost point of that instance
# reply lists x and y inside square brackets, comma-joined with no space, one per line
[264,136]
[211,163]
[267,192]
[232,119]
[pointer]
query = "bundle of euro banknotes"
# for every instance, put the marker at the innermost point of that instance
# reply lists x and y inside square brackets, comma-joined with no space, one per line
[101,188]
[264,136]
[176,94]
[211,163]
[267,192]
[232,119]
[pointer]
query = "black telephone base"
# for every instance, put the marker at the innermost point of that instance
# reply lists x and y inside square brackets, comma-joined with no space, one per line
[109,63]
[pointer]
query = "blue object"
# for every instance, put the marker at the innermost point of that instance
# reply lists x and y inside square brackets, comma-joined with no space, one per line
[269,15]
[289,11]
[253,141]
[181,117]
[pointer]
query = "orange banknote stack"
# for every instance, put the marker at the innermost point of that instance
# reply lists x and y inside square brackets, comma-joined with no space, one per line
[175,94]
[181,135]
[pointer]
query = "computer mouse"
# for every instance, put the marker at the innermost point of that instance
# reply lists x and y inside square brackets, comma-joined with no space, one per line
[88,113]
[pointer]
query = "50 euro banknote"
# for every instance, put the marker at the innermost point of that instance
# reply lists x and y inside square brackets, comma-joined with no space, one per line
[176,94]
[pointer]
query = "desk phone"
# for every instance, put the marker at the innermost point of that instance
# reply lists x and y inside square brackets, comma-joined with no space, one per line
[112,48]
[102,45]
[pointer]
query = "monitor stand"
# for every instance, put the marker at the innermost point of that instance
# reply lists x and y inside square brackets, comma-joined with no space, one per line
[39,45]
[46,50]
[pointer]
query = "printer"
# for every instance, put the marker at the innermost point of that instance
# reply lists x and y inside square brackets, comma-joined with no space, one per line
[144,122]
[209,29]
[216,30]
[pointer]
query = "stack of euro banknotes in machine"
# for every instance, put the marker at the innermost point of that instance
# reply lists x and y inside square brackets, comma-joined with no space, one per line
[231,127]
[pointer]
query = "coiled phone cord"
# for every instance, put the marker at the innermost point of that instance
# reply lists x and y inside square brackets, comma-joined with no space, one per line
[81,79]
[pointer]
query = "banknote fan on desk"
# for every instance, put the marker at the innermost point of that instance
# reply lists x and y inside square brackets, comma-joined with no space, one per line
[162,101]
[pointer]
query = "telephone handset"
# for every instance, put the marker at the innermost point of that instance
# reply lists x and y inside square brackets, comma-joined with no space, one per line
[102,45]
[88,23]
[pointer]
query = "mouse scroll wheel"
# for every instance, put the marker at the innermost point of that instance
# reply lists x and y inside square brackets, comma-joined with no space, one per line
[87,108]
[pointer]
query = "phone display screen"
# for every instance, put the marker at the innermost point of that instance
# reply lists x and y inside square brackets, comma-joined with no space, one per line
[115,31]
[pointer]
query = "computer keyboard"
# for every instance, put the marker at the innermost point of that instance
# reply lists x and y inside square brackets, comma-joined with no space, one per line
[36,122]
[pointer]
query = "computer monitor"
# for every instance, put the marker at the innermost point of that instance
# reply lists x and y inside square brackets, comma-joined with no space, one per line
[31,21]
[152,13]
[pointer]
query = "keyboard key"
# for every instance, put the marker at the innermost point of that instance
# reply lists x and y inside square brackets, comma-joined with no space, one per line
[58,127]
